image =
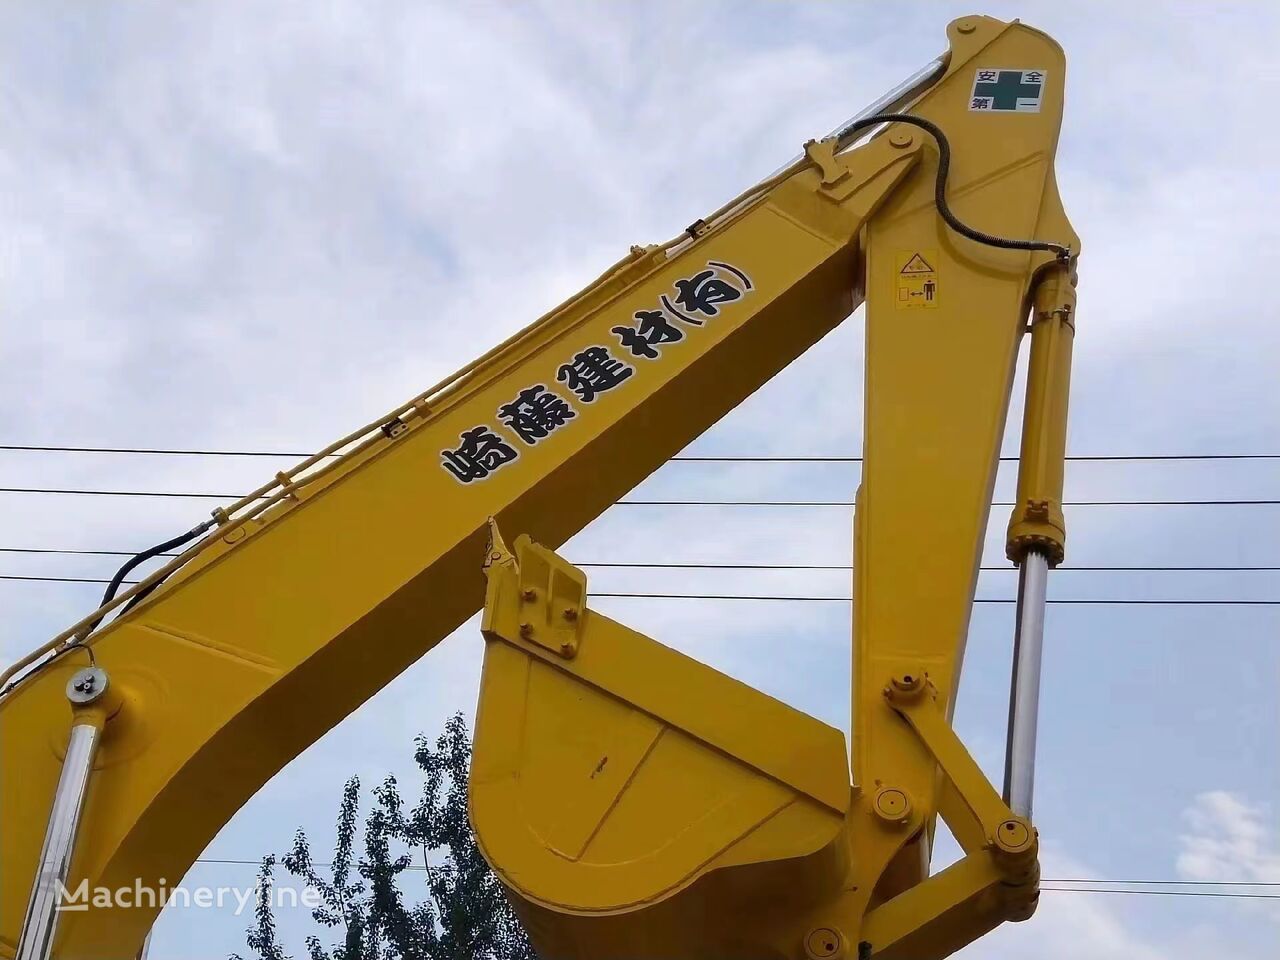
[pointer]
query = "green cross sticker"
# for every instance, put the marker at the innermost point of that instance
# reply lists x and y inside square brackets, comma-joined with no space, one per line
[1007,91]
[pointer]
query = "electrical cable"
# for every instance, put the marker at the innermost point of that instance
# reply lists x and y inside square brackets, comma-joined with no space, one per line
[1072,601]
[679,458]
[191,495]
[1100,601]
[1111,888]
[703,565]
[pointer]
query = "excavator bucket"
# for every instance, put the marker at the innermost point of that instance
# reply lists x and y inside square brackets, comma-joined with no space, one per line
[622,790]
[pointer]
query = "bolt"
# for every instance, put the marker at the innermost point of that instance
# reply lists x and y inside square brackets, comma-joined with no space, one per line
[86,685]
[901,140]
[529,596]
[526,630]
[571,614]
[566,649]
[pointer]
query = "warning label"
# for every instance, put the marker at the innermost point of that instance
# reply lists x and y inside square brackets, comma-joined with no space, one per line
[917,279]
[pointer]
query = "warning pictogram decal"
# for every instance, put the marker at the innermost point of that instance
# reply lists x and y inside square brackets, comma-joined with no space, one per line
[917,264]
[916,280]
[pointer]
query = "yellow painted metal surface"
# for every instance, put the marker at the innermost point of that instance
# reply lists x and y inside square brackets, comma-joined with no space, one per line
[938,384]
[1037,521]
[940,365]
[720,818]
[609,780]
[268,639]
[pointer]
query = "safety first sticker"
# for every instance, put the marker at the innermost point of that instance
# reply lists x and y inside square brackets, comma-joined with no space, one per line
[917,279]
[1007,91]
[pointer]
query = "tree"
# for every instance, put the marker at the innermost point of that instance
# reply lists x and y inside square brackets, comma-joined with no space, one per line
[464,916]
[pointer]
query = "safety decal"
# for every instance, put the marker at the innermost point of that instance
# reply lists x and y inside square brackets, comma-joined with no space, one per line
[917,279]
[538,411]
[1007,91]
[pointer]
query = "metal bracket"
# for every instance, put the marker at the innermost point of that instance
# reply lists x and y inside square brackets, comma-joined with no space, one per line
[842,175]
[823,155]
[1010,838]
[552,591]
[999,877]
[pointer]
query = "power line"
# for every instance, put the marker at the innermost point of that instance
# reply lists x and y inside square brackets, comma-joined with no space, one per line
[1111,886]
[1168,883]
[10,576]
[1164,893]
[817,599]
[1008,568]
[124,493]
[1083,458]
[155,451]
[994,503]
[696,565]
[686,458]
[662,503]
[1078,601]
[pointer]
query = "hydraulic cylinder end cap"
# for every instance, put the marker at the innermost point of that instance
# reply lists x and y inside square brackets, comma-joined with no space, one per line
[87,686]
[89,691]
[824,943]
[893,806]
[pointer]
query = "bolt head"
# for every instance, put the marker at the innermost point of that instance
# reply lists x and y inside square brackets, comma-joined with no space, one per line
[87,685]
[528,596]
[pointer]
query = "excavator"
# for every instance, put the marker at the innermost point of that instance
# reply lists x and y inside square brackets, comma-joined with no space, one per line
[634,802]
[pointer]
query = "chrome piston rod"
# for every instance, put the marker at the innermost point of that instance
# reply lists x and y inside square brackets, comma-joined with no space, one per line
[893,101]
[41,921]
[1024,695]
[903,95]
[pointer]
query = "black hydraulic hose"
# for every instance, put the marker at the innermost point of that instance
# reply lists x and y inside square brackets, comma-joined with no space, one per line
[128,566]
[940,187]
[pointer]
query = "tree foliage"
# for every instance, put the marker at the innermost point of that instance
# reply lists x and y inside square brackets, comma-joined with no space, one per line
[463,914]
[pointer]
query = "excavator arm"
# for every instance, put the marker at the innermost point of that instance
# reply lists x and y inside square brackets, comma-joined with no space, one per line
[307,597]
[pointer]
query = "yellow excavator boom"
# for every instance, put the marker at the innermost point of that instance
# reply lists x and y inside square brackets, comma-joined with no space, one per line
[754,836]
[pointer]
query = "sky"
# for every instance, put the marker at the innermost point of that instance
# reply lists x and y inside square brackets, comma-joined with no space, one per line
[230,226]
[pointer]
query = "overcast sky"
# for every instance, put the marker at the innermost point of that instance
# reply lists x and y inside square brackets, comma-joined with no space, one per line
[256,226]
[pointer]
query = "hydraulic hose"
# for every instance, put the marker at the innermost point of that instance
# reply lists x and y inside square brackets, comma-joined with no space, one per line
[1061,251]
[140,558]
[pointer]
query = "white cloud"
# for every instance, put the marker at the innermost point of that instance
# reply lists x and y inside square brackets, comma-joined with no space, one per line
[1069,926]
[235,228]
[1229,839]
